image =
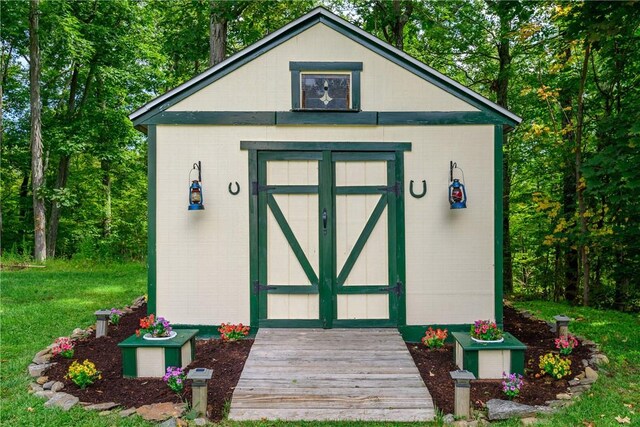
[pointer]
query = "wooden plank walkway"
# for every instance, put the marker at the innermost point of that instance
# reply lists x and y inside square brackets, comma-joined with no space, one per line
[330,374]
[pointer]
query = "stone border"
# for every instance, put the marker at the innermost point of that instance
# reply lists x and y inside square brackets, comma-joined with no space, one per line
[498,409]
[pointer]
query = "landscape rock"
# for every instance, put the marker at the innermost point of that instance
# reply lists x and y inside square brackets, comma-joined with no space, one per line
[33,387]
[37,370]
[47,385]
[590,373]
[200,421]
[171,422]
[101,406]
[574,382]
[585,363]
[529,421]
[127,412]
[43,358]
[79,333]
[580,388]
[563,396]
[581,376]
[43,352]
[448,419]
[160,411]
[499,409]
[181,423]
[556,403]
[64,401]
[600,359]
[42,380]
[44,394]
[57,386]
[104,413]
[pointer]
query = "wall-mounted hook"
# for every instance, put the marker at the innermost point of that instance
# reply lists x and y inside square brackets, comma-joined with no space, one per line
[237,188]
[424,189]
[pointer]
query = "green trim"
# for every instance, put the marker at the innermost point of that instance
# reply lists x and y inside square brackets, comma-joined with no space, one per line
[498,231]
[262,239]
[255,118]
[392,244]
[297,68]
[294,289]
[254,248]
[364,323]
[360,189]
[517,361]
[292,189]
[362,240]
[183,335]
[291,239]
[325,66]
[151,219]
[129,362]
[414,333]
[289,155]
[327,237]
[209,331]
[361,289]
[413,118]
[173,356]
[326,118]
[323,146]
[510,342]
[401,267]
[351,156]
[316,117]
[470,361]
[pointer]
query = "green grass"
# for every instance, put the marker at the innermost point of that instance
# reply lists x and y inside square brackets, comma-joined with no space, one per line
[40,304]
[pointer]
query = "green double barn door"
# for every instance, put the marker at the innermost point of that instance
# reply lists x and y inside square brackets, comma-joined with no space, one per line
[330,248]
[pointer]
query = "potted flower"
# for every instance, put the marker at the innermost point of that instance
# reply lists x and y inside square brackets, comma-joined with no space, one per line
[152,328]
[486,331]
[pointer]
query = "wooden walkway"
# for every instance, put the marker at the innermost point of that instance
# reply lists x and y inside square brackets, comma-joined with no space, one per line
[332,374]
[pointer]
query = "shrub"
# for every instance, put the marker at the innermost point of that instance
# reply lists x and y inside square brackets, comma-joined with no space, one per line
[511,384]
[555,366]
[115,316]
[83,374]
[231,332]
[64,347]
[566,345]
[175,378]
[434,339]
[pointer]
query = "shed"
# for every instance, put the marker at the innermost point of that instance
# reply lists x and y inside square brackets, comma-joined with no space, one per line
[340,148]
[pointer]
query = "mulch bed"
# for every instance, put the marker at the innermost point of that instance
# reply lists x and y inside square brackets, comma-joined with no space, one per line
[435,365]
[226,360]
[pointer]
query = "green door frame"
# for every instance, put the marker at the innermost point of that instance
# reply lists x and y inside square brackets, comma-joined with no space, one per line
[261,197]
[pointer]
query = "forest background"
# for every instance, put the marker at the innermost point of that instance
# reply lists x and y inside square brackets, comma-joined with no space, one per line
[73,177]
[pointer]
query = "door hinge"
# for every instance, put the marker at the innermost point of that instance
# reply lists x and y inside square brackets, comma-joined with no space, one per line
[255,188]
[396,290]
[395,188]
[257,287]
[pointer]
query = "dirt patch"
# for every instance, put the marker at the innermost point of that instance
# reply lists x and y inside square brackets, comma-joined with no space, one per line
[435,365]
[226,360]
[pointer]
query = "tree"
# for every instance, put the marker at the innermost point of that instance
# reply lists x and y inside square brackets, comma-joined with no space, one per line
[37,169]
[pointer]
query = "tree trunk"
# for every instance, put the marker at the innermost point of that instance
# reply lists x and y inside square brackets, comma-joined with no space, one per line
[54,218]
[105,166]
[23,210]
[217,38]
[580,185]
[37,175]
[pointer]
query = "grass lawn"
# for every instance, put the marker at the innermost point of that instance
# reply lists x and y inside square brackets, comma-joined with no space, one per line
[40,304]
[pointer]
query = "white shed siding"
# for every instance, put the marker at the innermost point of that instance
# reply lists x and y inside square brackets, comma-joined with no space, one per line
[203,257]
[264,84]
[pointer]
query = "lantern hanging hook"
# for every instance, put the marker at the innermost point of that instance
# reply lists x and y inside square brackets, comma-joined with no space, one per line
[198,167]
[454,165]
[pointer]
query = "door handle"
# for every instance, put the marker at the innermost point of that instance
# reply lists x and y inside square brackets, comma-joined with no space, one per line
[324,221]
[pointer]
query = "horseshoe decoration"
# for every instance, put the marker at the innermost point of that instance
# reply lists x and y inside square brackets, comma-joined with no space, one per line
[237,188]
[424,189]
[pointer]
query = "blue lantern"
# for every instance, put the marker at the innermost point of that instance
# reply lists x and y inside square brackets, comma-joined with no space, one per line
[195,189]
[457,192]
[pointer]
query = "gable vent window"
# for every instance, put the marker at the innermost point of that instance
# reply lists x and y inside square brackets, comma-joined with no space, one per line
[325,86]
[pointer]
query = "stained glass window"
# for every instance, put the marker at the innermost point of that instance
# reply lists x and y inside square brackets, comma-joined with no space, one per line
[325,91]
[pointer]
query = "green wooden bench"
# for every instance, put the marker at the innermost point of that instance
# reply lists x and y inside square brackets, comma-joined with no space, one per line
[150,358]
[489,360]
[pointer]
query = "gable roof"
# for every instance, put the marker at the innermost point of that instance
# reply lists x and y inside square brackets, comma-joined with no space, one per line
[321,15]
